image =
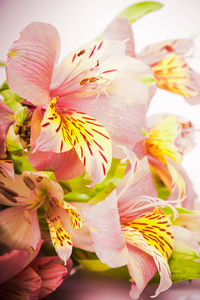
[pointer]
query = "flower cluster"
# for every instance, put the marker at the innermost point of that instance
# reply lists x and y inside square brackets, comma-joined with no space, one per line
[84,172]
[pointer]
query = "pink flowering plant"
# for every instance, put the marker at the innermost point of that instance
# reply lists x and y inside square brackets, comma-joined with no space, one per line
[86,178]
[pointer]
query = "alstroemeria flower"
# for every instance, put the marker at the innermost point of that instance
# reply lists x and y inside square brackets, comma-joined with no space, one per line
[95,86]
[36,281]
[130,228]
[26,193]
[167,59]
[165,142]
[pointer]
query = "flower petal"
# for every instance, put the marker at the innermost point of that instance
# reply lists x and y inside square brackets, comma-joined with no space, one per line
[7,167]
[105,230]
[18,233]
[6,119]
[51,272]
[173,74]
[135,238]
[12,263]
[120,29]
[156,52]
[31,61]
[161,139]
[142,268]
[125,99]
[15,261]
[60,238]
[81,235]
[65,165]
[25,285]
[62,131]
[13,192]
[87,68]
[128,207]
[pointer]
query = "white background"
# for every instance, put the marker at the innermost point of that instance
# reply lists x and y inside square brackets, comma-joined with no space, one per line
[79,21]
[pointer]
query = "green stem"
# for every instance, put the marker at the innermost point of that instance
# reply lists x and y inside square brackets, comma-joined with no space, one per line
[2,64]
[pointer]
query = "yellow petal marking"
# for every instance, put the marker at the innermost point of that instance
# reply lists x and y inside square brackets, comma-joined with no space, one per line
[155,229]
[60,238]
[172,74]
[69,129]
[76,220]
[160,140]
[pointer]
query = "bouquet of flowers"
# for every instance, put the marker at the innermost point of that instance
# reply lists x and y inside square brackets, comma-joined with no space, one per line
[86,178]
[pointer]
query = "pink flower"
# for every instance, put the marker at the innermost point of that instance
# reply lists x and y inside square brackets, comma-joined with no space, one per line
[25,194]
[95,86]
[129,228]
[165,140]
[167,59]
[37,280]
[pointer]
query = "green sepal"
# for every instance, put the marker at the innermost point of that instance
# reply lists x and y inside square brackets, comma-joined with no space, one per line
[89,260]
[184,265]
[10,98]
[13,143]
[21,164]
[138,10]
[23,115]
[168,211]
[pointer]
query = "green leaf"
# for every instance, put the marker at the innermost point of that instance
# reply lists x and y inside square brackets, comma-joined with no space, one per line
[4,86]
[138,10]
[78,189]
[121,272]
[89,260]
[183,266]
[11,99]
[21,164]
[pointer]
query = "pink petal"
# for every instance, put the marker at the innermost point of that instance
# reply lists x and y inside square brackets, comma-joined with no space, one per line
[156,52]
[160,262]
[105,230]
[7,167]
[81,237]
[89,61]
[51,272]
[6,119]
[12,263]
[25,285]
[18,233]
[31,61]
[122,114]
[184,238]
[120,29]
[190,194]
[142,268]
[65,165]
[13,191]
[15,261]
[127,201]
